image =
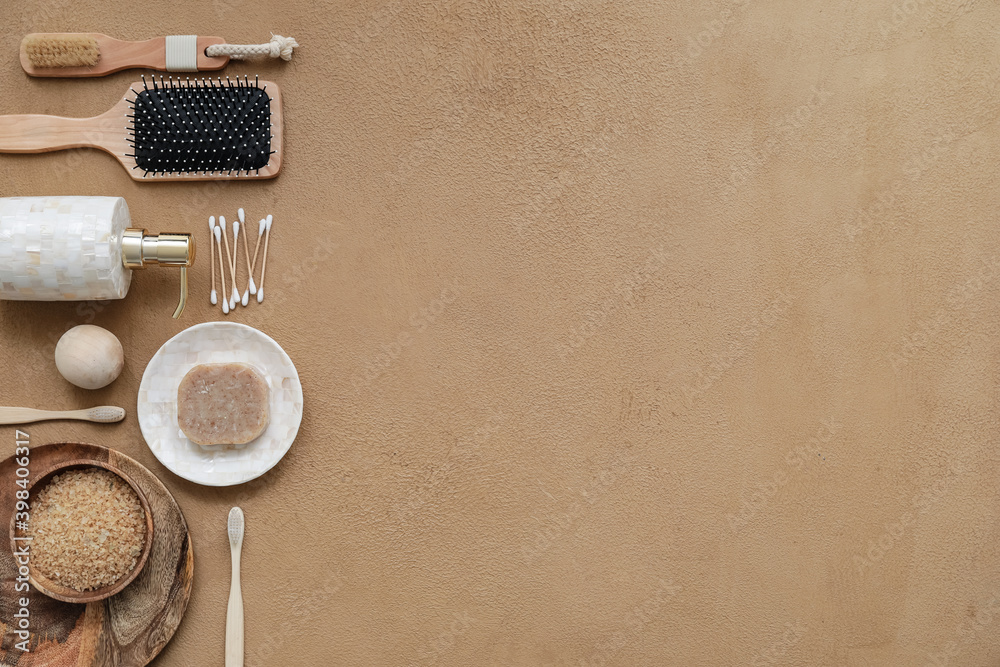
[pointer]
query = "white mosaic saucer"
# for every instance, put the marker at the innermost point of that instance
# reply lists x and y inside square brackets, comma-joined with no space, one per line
[214,343]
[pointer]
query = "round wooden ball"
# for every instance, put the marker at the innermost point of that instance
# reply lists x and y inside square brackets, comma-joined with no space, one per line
[89,357]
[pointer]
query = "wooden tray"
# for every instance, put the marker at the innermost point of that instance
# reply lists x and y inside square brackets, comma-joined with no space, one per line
[126,630]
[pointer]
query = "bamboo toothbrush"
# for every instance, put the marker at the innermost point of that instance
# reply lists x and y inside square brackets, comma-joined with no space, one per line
[232,129]
[235,296]
[222,271]
[263,270]
[102,415]
[87,54]
[211,240]
[234,612]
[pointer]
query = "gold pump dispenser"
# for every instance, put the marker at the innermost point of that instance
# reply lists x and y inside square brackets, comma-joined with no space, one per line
[140,249]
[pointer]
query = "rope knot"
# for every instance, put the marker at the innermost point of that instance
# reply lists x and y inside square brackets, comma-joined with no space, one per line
[281,47]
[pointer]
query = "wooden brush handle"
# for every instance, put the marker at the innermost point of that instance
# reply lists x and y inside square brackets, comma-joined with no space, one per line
[10,416]
[33,133]
[234,617]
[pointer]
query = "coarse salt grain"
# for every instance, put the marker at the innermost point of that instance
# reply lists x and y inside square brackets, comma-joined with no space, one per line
[88,529]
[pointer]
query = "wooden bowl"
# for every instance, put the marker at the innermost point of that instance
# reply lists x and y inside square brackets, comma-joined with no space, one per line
[64,593]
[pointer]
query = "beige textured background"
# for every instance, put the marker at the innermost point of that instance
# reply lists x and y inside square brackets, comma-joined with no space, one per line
[688,317]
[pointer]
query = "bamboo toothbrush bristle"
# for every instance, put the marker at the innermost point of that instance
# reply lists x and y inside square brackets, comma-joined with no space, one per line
[106,414]
[236,525]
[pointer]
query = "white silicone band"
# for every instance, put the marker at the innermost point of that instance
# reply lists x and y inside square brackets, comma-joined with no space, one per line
[182,53]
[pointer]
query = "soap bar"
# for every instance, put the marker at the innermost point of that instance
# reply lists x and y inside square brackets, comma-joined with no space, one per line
[223,404]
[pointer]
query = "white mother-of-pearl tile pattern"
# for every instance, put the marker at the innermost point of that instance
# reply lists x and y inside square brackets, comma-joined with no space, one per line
[62,248]
[214,343]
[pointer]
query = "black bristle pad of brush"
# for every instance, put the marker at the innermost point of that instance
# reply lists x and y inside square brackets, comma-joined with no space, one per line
[201,126]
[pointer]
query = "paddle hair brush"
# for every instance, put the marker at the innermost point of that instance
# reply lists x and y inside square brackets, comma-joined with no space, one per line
[174,130]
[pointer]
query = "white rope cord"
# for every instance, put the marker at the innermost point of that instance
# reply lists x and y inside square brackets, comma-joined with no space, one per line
[278,47]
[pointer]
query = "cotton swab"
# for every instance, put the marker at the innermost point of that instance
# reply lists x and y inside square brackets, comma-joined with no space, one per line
[263,270]
[253,264]
[211,244]
[235,296]
[229,258]
[251,287]
[236,250]
[218,244]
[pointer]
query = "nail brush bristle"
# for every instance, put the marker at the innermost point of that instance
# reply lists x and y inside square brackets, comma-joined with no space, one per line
[62,51]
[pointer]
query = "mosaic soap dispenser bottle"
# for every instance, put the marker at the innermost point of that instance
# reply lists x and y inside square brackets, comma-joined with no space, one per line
[80,249]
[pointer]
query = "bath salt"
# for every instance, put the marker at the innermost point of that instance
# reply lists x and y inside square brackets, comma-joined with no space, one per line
[223,404]
[87,529]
